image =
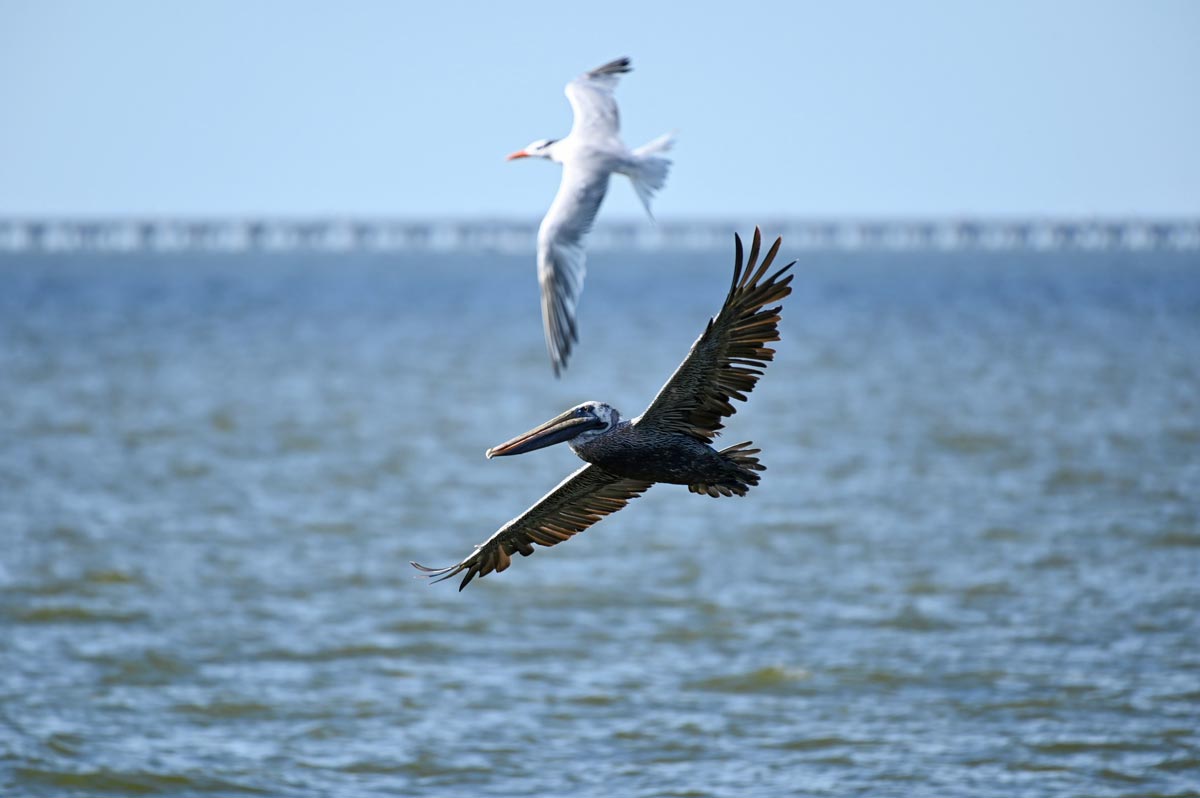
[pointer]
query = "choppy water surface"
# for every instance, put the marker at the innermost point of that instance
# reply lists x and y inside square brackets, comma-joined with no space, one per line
[973,567]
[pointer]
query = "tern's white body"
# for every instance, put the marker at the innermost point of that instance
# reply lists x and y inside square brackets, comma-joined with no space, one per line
[589,154]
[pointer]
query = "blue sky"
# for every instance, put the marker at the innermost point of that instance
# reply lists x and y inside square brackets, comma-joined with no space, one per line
[407,109]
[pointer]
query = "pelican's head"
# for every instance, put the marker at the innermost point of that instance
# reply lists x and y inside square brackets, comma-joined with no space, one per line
[542,148]
[577,424]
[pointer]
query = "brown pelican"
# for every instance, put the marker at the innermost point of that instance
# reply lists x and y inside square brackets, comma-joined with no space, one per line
[670,442]
[589,154]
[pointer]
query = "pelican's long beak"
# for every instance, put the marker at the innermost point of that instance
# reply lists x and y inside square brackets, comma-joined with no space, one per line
[512,156]
[556,430]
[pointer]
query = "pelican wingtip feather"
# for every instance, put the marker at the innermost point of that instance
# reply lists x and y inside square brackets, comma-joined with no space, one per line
[435,575]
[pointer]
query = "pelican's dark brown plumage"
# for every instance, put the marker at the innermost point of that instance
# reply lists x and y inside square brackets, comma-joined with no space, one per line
[670,442]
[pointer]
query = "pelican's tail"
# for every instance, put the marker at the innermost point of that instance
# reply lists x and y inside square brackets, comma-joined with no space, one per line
[741,475]
[648,169]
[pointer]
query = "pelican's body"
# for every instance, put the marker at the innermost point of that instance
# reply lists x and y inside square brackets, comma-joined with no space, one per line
[591,153]
[646,452]
[670,442]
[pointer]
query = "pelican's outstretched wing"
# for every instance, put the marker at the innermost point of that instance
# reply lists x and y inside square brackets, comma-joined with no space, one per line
[591,97]
[576,503]
[728,358]
[561,256]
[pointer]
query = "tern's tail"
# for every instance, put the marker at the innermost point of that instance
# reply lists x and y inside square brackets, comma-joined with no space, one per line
[648,169]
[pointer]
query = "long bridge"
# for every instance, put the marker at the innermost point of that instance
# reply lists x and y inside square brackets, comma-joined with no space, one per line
[338,234]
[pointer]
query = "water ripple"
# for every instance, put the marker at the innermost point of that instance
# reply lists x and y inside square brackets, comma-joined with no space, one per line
[970,568]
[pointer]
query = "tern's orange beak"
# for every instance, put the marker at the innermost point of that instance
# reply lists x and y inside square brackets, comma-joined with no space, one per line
[512,156]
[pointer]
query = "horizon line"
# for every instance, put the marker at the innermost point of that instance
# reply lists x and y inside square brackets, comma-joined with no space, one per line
[511,234]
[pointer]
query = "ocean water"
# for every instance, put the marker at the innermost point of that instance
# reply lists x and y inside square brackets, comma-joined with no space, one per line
[972,567]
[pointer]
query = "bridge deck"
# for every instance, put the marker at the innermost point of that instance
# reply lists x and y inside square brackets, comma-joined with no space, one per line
[516,236]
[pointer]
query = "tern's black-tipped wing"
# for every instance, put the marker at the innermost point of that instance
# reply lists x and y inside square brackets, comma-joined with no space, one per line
[561,258]
[728,358]
[576,503]
[592,100]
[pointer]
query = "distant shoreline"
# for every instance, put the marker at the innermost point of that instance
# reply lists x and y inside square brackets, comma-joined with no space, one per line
[339,234]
